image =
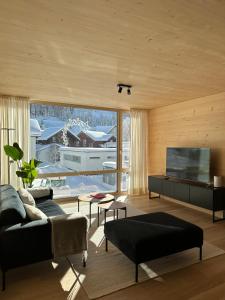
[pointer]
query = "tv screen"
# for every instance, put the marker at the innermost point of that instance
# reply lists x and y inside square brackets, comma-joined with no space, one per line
[188,163]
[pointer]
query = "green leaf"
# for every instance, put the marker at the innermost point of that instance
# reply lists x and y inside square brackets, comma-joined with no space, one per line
[22,174]
[15,145]
[26,180]
[12,152]
[32,164]
[34,173]
[37,163]
[28,171]
[25,164]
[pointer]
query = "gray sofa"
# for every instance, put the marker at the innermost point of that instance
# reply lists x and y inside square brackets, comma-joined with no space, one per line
[23,241]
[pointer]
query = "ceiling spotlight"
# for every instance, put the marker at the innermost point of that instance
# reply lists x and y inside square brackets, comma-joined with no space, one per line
[120,87]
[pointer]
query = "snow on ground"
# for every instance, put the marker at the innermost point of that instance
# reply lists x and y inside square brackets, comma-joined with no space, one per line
[72,185]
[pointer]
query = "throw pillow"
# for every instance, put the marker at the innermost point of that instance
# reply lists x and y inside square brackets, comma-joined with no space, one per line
[26,197]
[34,213]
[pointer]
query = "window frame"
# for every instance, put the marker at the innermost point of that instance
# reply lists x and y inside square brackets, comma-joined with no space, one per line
[119,170]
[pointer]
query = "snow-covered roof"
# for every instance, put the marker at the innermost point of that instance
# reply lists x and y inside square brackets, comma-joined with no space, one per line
[105,129]
[40,147]
[98,136]
[75,130]
[48,133]
[35,129]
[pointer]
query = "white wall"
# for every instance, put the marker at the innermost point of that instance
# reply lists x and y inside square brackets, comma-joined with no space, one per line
[86,155]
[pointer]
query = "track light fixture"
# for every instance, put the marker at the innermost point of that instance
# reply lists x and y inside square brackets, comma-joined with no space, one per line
[120,87]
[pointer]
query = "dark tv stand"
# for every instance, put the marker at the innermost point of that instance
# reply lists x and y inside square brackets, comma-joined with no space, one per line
[194,193]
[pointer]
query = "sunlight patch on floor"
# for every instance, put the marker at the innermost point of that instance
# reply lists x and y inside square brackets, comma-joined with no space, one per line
[75,288]
[72,283]
[149,272]
[97,236]
[55,265]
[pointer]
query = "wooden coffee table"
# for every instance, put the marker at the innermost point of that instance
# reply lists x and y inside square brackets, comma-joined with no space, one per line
[114,206]
[91,200]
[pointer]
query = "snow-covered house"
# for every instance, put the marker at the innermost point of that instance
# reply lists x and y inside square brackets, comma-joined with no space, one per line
[55,135]
[86,158]
[48,153]
[107,129]
[90,138]
[35,133]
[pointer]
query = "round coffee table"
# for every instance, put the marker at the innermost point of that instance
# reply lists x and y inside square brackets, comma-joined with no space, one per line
[114,206]
[89,198]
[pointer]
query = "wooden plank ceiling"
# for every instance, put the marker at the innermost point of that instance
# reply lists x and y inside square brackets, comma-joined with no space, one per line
[77,51]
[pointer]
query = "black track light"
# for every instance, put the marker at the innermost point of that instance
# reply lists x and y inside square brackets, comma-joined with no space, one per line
[120,87]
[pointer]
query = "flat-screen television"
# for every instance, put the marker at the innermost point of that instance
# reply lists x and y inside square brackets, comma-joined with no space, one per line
[188,163]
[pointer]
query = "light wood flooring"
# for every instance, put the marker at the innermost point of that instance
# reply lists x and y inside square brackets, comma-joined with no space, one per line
[205,280]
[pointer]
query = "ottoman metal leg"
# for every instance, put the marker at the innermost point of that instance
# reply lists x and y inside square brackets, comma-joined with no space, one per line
[3,280]
[200,253]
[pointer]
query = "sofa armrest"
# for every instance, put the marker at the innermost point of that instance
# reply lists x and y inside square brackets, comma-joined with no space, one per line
[69,234]
[23,244]
[41,193]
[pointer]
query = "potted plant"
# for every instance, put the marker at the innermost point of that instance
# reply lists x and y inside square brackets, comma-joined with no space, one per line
[27,171]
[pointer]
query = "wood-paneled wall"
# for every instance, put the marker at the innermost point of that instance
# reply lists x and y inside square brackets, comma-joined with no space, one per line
[196,123]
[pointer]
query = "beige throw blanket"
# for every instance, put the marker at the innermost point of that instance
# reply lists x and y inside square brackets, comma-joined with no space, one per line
[69,234]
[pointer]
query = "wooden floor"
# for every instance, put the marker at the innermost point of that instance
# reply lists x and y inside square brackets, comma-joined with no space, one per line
[205,280]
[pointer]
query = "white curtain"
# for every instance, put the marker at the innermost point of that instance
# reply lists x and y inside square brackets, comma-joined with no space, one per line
[139,152]
[14,115]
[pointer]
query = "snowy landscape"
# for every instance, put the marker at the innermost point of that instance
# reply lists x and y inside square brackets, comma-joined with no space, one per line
[69,140]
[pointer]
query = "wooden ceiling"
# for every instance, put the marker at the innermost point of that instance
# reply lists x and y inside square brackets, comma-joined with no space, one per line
[77,51]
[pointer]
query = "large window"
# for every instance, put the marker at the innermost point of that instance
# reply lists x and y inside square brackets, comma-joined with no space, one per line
[78,148]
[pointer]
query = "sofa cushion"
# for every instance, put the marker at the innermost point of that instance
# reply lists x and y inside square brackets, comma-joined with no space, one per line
[26,197]
[12,210]
[50,208]
[34,213]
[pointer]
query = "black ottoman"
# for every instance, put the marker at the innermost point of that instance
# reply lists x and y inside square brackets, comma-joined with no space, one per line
[150,236]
